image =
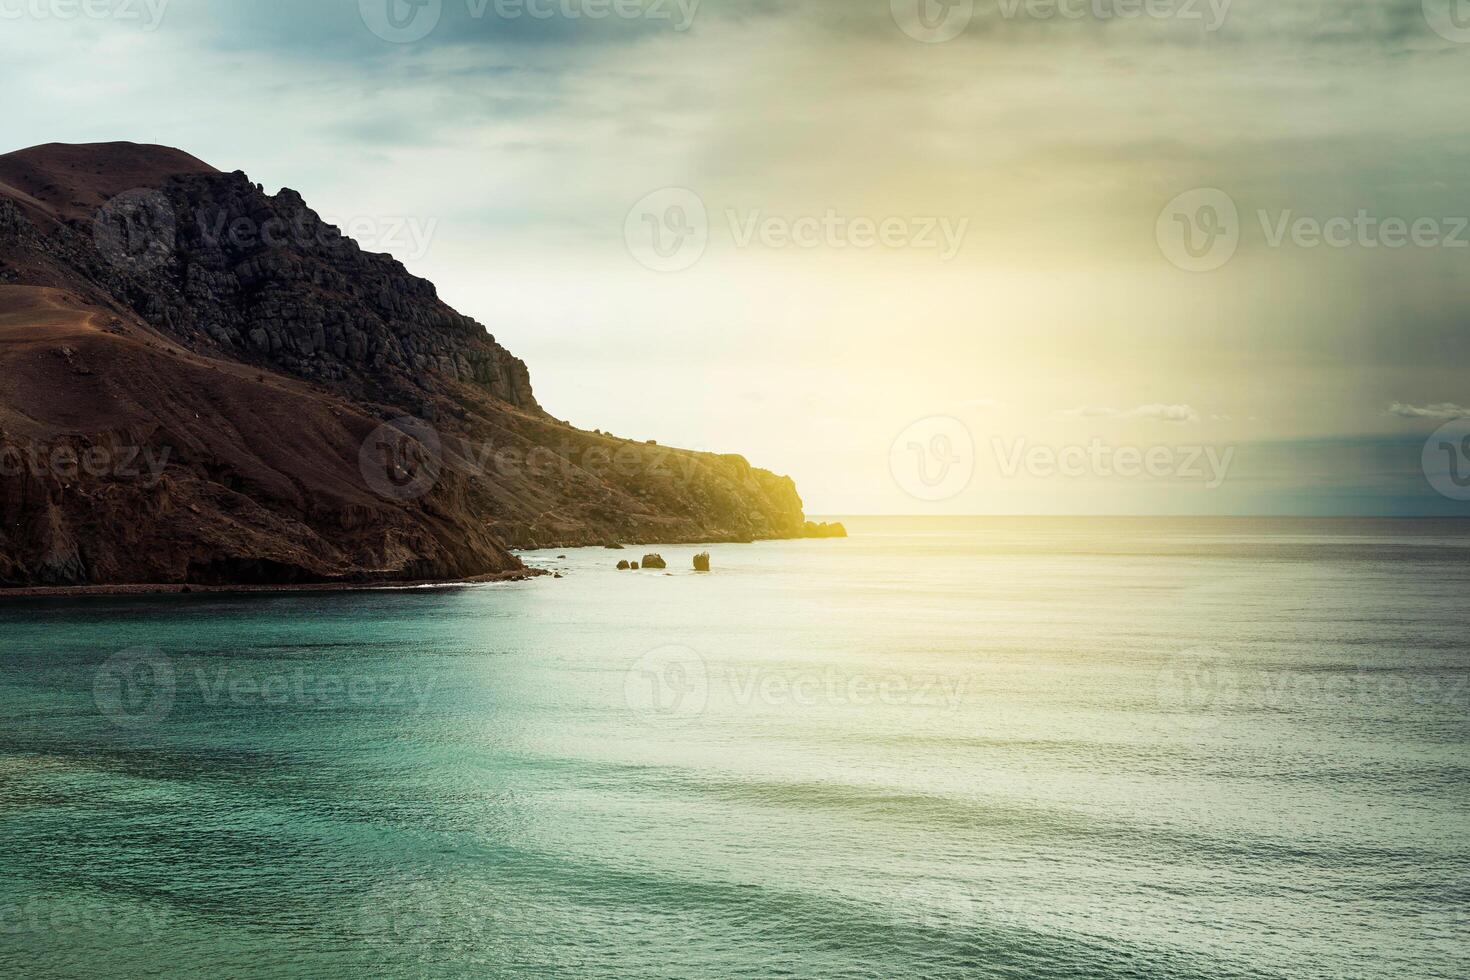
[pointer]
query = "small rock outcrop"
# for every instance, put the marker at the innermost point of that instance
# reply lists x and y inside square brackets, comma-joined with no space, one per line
[623,566]
[654,561]
[701,562]
[813,529]
[634,566]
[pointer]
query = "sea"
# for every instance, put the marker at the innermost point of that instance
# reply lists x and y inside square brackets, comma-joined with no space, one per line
[980,748]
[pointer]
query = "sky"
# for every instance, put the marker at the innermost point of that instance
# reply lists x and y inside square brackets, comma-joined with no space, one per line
[925,256]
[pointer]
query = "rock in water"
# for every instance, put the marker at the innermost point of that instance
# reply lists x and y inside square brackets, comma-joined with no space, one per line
[823,530]
[701,562]
[654,561]
[634,566]
[623,566]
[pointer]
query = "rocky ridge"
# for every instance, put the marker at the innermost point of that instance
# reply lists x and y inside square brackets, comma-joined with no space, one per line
[322,414]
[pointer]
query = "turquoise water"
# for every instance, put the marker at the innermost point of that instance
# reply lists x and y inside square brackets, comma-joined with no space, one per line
[1012,749]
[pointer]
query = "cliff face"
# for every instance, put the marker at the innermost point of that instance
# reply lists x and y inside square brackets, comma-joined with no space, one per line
[294,408]
[213,262]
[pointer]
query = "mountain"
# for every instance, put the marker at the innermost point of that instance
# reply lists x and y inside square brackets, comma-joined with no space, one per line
[202,383]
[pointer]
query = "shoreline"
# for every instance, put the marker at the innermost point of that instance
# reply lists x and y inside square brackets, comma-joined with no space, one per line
[183,588]
[514,575]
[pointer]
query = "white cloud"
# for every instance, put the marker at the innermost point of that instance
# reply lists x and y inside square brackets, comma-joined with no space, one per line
[1153,413]
[1440,410]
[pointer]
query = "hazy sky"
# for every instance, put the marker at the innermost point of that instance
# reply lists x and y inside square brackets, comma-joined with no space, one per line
[912,252]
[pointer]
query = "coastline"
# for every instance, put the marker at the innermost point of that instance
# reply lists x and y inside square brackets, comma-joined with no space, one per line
[132,589]
[376,585]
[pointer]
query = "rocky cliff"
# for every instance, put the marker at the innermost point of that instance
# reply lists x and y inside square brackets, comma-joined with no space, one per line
[204,383]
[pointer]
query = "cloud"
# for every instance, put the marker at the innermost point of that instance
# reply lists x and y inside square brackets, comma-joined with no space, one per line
[1440,410]
[1152,413]
[1164,413]
[529,138]
[1088,413]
